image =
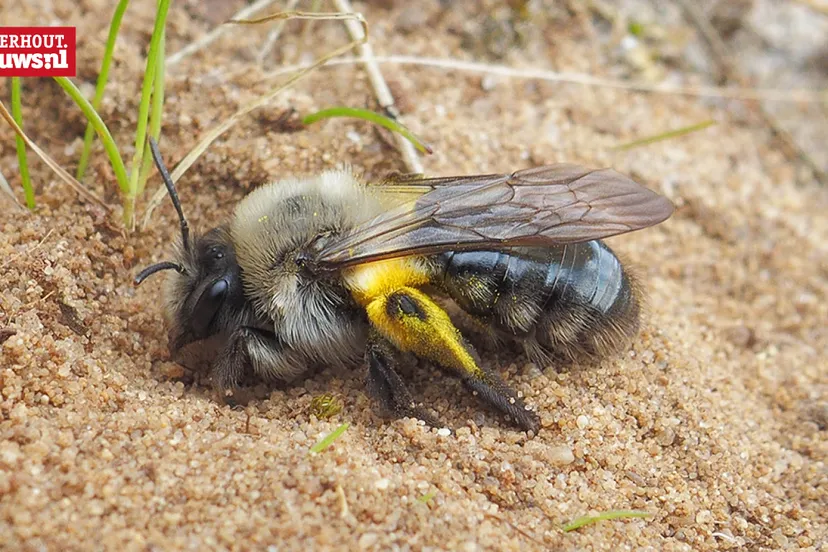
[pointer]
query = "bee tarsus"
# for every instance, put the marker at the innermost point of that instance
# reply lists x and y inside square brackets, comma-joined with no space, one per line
[385,385]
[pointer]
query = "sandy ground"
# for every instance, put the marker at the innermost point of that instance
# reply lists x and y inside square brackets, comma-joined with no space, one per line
[715,421]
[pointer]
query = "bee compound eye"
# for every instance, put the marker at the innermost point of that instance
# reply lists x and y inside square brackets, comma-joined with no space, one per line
[208,305]
[218,289]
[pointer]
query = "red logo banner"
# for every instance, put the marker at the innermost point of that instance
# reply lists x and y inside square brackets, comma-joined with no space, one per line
[37,52]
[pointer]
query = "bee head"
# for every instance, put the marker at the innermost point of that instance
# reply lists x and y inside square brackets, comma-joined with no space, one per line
[206,282]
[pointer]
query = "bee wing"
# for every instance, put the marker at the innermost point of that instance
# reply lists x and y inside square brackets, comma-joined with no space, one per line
[544,206]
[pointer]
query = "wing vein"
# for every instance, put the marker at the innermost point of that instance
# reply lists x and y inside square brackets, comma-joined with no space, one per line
[544,206]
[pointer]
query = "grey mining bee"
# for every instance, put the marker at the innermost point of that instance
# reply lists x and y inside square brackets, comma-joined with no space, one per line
[327,269]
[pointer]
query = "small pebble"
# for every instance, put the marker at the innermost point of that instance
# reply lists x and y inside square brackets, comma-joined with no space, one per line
[367,540]
[560,455]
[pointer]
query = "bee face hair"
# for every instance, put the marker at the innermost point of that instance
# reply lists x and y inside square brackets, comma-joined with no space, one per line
[204,293]
[199,299]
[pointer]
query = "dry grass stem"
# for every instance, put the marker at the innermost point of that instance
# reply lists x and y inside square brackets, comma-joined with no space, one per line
[776,95]
[54,165]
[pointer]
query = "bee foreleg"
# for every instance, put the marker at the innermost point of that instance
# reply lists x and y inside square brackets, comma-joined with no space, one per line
[230,365]
[249,348]
[411,321]
[385,385]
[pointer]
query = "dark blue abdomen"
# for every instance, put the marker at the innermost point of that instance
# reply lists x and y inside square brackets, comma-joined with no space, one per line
[570,299]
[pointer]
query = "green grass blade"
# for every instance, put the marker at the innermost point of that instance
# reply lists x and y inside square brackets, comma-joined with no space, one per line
[328,441]
[103,132]
[143,110]
[370,116]
[156,110]
[103,78]
[665,135]
[604,516]
[426,498]
[17,113]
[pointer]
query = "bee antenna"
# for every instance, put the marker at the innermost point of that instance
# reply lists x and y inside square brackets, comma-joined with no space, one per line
[165,176]
[150,270]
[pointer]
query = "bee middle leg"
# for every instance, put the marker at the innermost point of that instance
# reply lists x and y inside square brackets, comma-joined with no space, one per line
[412,321]
[386,385]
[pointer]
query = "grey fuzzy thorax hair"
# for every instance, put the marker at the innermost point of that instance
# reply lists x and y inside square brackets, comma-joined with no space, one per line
[315,316]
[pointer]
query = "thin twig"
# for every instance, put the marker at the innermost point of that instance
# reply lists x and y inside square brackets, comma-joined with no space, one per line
[767,94]
[54,165]
[383,93]
[513,526]
[711,37]
[30,304]
[273,36]
[214,35]
[792,146]
[29,251]
[730,72]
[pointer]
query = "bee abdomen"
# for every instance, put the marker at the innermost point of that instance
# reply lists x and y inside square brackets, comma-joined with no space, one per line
[566,301]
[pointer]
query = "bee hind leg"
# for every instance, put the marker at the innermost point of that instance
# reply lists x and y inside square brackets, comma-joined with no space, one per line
[385,385]
[413,322]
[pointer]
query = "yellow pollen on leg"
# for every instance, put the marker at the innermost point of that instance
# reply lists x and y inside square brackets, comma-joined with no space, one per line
[428,333]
